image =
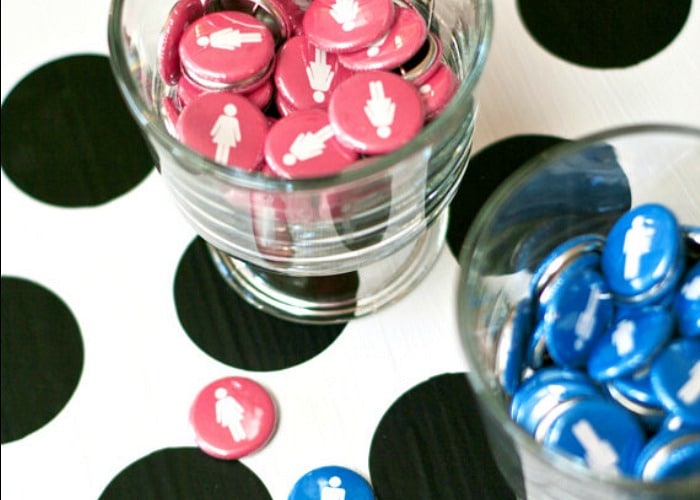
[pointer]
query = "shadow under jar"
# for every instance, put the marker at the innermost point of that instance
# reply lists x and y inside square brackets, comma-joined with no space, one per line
[323,249]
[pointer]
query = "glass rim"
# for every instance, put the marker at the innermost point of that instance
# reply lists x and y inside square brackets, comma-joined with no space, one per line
[482,383]
[148,119]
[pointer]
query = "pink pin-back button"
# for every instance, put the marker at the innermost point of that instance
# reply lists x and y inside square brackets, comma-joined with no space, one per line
[398,45]
[303,145]
[283,106]
[170,113]
[282,17]
[225,127]
[233,417]
[188,90]
[375,112]
[347,25]
[227,49]
[424,63]
[306,75]
[181,15]
[438,90]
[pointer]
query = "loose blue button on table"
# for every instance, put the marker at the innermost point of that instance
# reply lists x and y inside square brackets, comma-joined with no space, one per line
[545,390]
[331,482]
[636,336]
[687,303]
[643,255]
[675,376]
[670,455]
[602,435]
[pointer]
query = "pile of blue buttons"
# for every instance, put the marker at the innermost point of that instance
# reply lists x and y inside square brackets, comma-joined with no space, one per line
[602,362]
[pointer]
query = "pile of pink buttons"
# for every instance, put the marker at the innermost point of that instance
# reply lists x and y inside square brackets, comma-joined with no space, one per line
[299,91]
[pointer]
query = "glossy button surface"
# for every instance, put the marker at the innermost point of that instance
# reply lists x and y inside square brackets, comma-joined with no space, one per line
[232,417]
[631,343]
[675,376]
[331,482]
[602,435]
[306,75]
[347,25]
[643,254]
[438,90]
[227,48]
[687,303]
[225,127]
[375,112]
[303,145]
[179,18]
[403,40]
[670,455]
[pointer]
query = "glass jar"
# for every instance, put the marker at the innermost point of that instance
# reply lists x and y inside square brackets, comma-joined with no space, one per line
[324,249]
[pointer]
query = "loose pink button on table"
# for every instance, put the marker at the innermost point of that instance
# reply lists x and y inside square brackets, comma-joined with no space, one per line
[179,18]
[225,127]
[347,25]
[397,46]
[227,49]
[303,145]
[375,112]
[306,75]
[232,417]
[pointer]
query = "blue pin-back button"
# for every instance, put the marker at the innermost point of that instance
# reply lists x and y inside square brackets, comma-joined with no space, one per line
[631,343]
[643,255]
[331,482]
[545,390]
[670,455]
[512,343]
[675,376]
[578,312]
[687,303]
[634,393]
[599,433]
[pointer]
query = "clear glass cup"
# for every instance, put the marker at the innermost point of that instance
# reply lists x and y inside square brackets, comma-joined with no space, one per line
[572,189]
[325,249]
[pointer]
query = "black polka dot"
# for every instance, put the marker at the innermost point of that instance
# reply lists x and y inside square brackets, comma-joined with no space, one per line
[42,357]
[486,171]
[606,33]
[229,329]
[431,444]
[67,136]
[185,473]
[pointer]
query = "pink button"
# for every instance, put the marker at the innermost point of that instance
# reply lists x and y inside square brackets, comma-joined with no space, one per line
[402,42]
[347,25]
[225,127]
[425,63]
[284,107]
[305,75]
[438,91]
[227,49]
[282,17]
[232,417]
[179,18]
[170,113]
[375,112]
[303,145]
[188,90]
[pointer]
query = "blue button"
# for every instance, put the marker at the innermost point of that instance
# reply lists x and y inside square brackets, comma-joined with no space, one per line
[536,355]
[635,394]
[579,311]
[637,387]
[675,376]
[630,344]
[687,303]
[670,455]
[643,254]
[605,437]
[545,390]
[331,482]
[510,355]
[562,255]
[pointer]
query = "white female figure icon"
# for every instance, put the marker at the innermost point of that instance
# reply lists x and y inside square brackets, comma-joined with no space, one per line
[226,133]
[229,414]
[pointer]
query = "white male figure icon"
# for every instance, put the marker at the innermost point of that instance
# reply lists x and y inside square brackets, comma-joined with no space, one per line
[226,133]
[637,243]
[380,109]
[229,414]
[585,323]
[600,455]
[689,392]
[333,491]
[623,337]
